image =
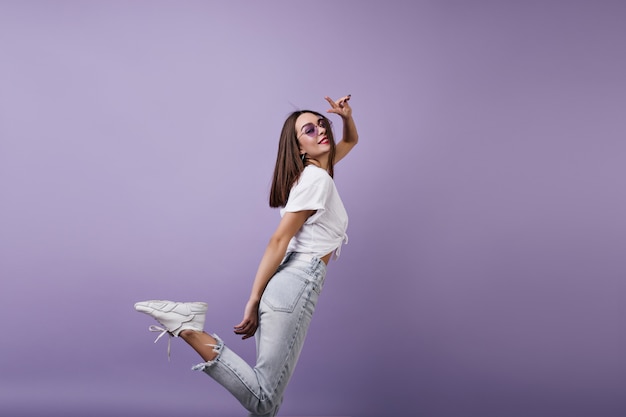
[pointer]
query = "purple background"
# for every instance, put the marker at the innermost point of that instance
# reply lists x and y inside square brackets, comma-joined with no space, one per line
[485,270]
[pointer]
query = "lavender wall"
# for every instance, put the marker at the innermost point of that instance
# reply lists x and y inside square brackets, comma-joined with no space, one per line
[485,271]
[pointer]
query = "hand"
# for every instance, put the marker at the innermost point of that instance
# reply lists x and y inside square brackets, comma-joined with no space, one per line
[250,321]
[340,107]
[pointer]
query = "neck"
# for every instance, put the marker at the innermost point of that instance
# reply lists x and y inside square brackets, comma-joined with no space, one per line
[317,163]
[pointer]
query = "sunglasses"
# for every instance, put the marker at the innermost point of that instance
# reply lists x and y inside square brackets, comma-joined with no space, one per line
[311,129]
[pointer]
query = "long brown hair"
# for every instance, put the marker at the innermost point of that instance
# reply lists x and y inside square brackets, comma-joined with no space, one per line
[289,164]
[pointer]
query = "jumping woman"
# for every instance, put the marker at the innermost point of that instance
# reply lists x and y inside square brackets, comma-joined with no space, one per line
[291,273]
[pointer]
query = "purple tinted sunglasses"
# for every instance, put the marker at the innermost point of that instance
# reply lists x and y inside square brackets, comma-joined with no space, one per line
[311,130]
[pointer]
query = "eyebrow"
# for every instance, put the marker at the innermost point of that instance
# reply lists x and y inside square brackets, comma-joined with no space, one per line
[311,123]
[306,124]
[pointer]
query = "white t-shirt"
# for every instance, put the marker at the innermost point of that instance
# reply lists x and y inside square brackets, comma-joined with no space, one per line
[325,230]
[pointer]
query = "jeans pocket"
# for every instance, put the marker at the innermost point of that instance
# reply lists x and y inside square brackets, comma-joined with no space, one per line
[284,291]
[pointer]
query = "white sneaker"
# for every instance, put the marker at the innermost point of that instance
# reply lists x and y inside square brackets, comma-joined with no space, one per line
[174,317]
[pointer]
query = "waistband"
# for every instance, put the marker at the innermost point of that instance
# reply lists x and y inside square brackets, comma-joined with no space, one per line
[313,260]
[315,268]
[305,257]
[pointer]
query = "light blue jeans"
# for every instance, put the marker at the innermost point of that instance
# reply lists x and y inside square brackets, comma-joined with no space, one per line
[285,313]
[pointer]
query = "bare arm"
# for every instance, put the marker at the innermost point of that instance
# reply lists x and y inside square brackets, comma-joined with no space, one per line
[350,134]
[274,254]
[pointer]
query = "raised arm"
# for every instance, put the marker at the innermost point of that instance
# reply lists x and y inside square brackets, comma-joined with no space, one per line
[274,254]
[350,135]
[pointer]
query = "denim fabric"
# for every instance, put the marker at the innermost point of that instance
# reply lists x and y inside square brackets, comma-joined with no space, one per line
[285,313]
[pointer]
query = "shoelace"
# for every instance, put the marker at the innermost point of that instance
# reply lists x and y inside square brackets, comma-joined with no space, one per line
[154,328]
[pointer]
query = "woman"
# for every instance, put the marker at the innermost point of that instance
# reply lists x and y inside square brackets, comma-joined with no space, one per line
[291,273]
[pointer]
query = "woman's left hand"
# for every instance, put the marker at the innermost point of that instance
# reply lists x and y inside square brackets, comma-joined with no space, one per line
[250,321]
[340,107]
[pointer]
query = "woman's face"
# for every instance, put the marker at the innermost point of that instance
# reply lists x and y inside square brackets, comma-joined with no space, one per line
[311,133]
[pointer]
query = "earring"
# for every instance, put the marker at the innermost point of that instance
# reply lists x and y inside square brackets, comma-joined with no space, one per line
[303,157]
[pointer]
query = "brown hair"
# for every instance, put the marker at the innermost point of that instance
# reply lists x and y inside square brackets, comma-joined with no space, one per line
[289,164]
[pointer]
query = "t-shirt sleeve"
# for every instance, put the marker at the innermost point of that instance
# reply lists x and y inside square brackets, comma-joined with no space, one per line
[310,193]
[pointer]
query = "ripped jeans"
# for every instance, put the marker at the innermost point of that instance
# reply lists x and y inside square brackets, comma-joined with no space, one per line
[285,312]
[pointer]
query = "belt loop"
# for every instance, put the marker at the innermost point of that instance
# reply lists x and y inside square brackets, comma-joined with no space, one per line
[313,265]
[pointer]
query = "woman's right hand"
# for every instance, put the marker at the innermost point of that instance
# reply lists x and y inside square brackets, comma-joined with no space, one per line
[250,321]
[340,106]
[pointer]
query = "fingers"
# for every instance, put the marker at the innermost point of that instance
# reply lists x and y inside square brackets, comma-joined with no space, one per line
[247,328]
[243,326]
[341,106]
[339,103]
[247,334]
